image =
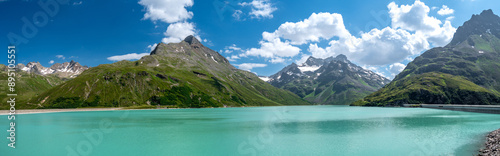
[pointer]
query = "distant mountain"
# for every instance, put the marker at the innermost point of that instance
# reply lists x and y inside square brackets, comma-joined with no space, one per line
[466,71]
[334,80]
[64,70]
[185,74]
[28,86]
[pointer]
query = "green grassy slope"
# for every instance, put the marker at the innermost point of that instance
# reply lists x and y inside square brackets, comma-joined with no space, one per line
[431,88]
[179,75]
[476,61]
[27,87]
[466,71]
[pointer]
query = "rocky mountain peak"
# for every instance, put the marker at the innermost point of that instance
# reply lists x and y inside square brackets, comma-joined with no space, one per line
[333,80]
[67,69]
[486,22]
[341,57]
[192,40]
[158,48]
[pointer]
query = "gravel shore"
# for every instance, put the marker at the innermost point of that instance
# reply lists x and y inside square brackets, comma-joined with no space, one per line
[492,144]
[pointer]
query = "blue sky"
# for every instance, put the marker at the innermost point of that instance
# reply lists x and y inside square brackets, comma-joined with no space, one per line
[262,36]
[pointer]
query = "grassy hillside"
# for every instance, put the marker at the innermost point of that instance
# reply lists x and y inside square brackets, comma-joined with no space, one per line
[176,75]
[466,71]
[431,88]
[27,87]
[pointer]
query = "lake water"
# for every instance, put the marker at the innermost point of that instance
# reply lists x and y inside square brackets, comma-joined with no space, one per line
[291,130]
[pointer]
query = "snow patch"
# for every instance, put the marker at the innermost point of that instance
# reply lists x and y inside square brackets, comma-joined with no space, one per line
[480,52]
[214,59]
[308,68]
[25,69]
[47,71]
[263,78]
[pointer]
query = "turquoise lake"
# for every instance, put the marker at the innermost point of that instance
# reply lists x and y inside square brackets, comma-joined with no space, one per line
[288,130]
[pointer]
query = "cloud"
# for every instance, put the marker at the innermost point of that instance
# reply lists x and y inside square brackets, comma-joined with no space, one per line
[78,3]
[152,47]
[61,57]
[168,11]
[173,12]
[376,69]
[302,59]
[233,58]
[445,11]
[131,56]
[237,15]
[260,8]
[277,60]
[450,18]
[51,62]
[250,66]
[176,32]
[412,31]
[232,48]
[396,68]
[377,47]
[272,49]
[316,27]
[412,17]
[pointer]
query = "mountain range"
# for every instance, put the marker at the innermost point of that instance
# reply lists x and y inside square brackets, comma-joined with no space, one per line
[185,74]
[334,80]
[64,70]
[188,74]
[466,71]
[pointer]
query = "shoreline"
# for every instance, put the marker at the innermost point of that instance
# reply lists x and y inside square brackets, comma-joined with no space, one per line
[37,111]
[488,109]
[492,144]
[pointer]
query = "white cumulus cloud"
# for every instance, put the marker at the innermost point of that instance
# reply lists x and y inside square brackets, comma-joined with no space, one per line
[412,31]
[445,11]
[316,27]
[396,68]
[51,62]
[377,47]
[131,56]
[168,11]
[413,17]
[250,66]
[272,49]
[176,32]
[152,47]
[173,12]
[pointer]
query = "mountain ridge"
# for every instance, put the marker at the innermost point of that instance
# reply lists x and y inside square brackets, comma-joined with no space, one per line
[333,80]
[65,70]
[184,74]
[463,72]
